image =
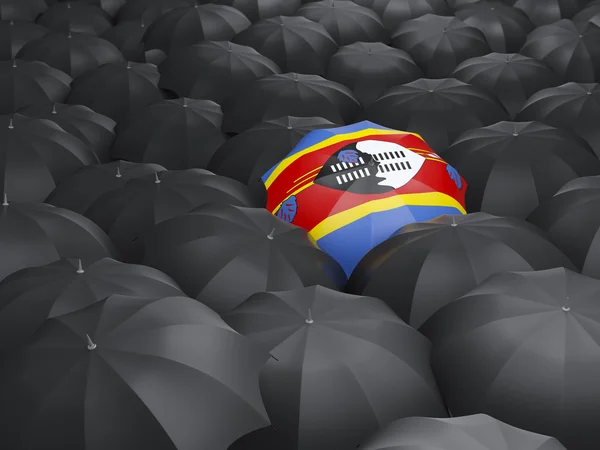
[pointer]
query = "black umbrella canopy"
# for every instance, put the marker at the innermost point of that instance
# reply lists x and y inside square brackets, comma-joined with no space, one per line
[92,128]
[126,214]
[522,347]
[25,83]
[26,10]
[393,13]
[183,27]
[256,10]
[342,365]
[249,155]
[345,21]
[291,94]
[371,68]
[295,44]
[214,70]
[36,155]
[475,432]
[505,28]
[177,134]
[550,11]
[127,37]
[158,374]
[512,167]
[438,110]
[15,34]
[590,12]
[149,10]
[580,183]
[75,17]
[250,251]
[34,234]
[571,50]
[430,264]
[438,43]
[110,7]
[79,191]
[31,296]
[512,78]
[573,106]
[133,86]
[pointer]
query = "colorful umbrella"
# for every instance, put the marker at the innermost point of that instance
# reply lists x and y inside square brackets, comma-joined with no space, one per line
[352,187]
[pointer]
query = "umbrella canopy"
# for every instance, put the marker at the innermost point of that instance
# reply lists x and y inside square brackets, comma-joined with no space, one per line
[79,191]
[572,221]
[250,251]
[127,37]
[162,373]
[505,28]
[183,27]
[149,10]
[14,35]
[295,44]
[127,213]
[110,7]
[26,10]
[291,94]
[438,43]
[34,234]
[550,11]
[394,13]
[512,78]
[26,83]
[430,264]
[90,127]
[31,296]
[133,86]
[574,106]
[256,10]
[438,110]
[571,50]
[35,155]
[371,68]
[498,164]
[522,347]
[580,183]
[75,17]
[177,134]
[588,13]
[74,54]
[476,432]
[353,187]
[341,366]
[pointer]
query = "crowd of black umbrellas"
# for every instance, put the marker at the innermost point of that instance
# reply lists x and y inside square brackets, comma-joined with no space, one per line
[148,300]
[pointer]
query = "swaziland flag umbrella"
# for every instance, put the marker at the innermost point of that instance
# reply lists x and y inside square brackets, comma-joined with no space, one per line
[352,187]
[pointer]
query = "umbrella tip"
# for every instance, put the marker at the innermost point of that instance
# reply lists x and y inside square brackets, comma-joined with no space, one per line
[229,47]
[185,104]
[309,320]
[142,23]
[54,108]
[5,200]
[295,76]
[453,224]
[118,175]
[80,267]
[589,92]
[566,308]
[12,22]
[68,5]
[14,63]
[10,124]
[156,179]
[69,35]
[91,345]
[128,65]
[271,234]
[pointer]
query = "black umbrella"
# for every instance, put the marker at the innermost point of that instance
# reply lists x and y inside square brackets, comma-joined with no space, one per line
[256,10]
[26,10]
[92,128]
[127,37]
[33,234]
[74,54]
[580,183]
[35,155]
[213,70]
[177,134]
[183,27]
[438,44]
[439,110]
[512,78]
[79,191]
[512,167]
[149,10]
[126,214]
[430,264]
[14,35]
[505,28]
[571,50]
[75,17]
[110,7]
[476,432]
[291,94]
[572,221]
[371,68]
[574,106]
[131,372]
[250,251]
[590,12]
[31,296]
[393,13]
[522,347]
[132,87]
[295,44]
[341,366]
[25,83]
[345,21]
[549,11]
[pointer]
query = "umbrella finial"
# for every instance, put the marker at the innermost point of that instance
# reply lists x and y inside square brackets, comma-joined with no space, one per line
[80,267]
[91,345]
[14,63]
[142,23]
[370,51]
[309,320]
[10,123]
[567,306]
[128,65]
[295,76]
[118,175]
[54,108]
[229,47]
[69,5]
[453,224]
[271,234]
[5,200]
[69,35]
[185,105]
[12,22]
[156,179]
